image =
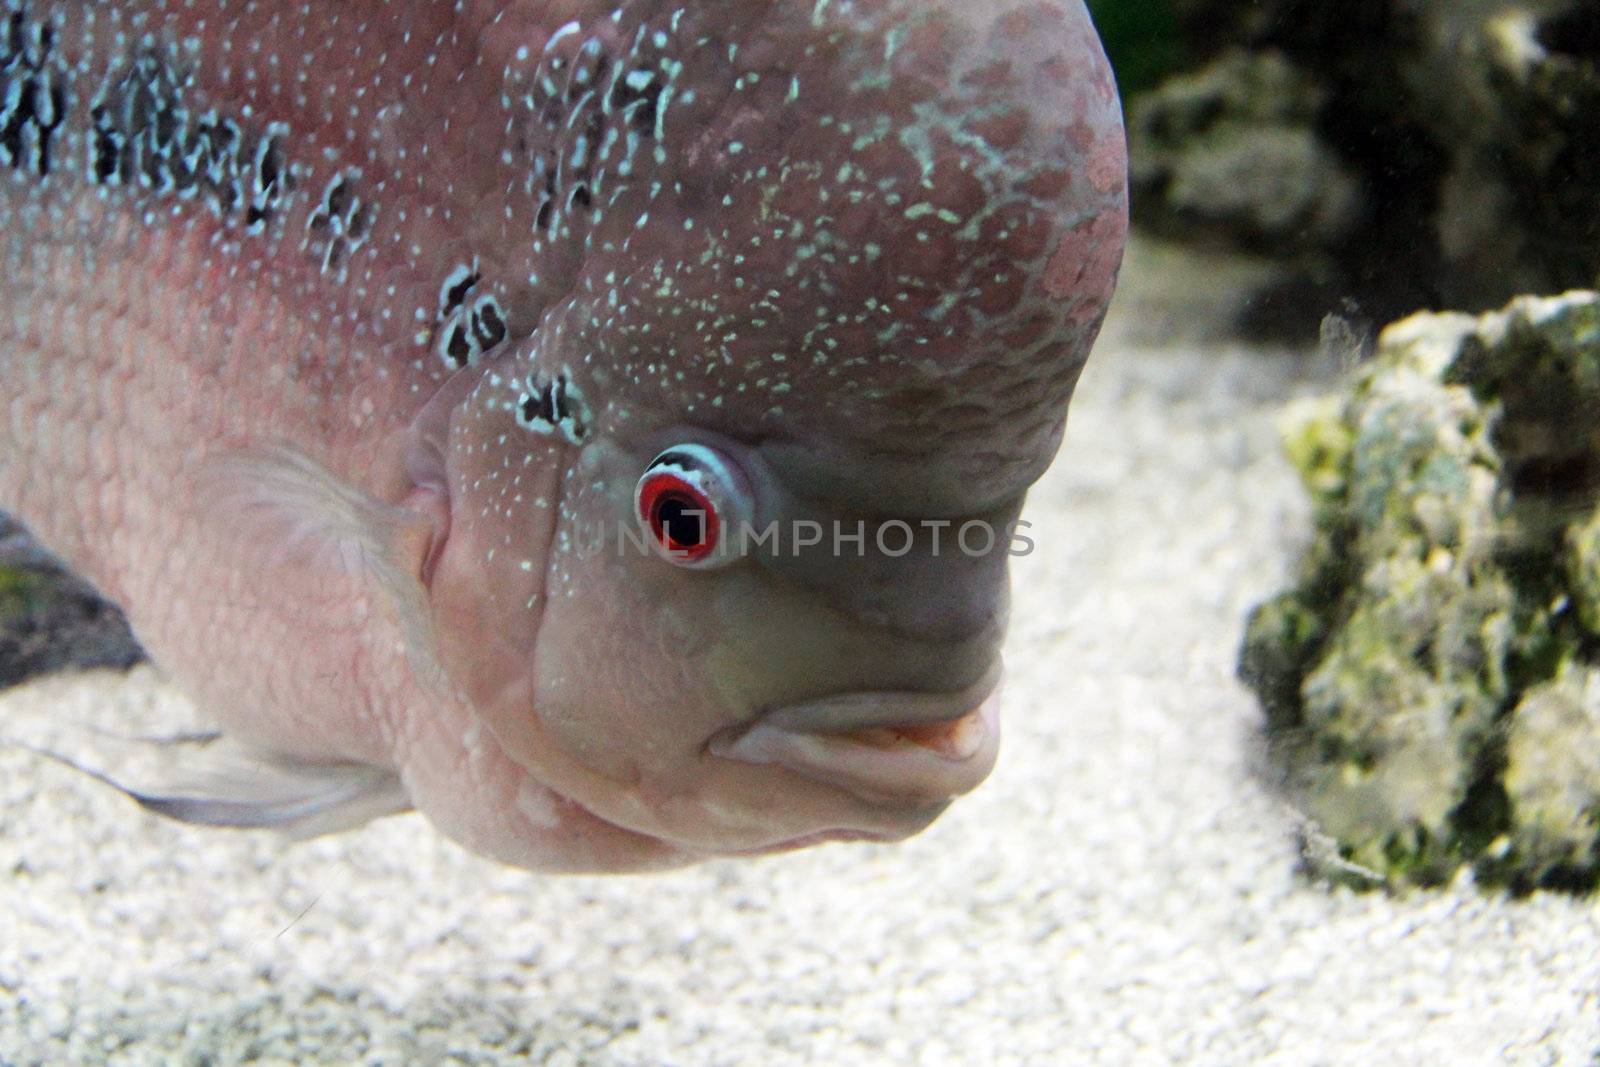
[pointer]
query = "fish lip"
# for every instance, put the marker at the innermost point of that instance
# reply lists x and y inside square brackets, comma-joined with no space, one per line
[887,749]
[868,709]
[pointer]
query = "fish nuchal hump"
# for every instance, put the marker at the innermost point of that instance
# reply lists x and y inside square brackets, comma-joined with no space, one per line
[848,207]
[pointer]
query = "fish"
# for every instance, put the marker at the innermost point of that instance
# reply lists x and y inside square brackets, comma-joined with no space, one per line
[601,427]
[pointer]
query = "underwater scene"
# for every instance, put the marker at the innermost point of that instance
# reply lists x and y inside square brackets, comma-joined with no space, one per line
[799,531]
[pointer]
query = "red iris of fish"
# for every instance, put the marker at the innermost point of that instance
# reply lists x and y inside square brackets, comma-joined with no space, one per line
[680,517]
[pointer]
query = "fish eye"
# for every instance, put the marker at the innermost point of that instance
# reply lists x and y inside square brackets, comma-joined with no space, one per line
[687,499]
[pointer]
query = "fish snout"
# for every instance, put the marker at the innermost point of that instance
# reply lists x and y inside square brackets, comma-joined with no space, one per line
[922,599]
[888,748]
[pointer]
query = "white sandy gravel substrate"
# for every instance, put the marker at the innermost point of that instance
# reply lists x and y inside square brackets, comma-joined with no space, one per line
[1122,891]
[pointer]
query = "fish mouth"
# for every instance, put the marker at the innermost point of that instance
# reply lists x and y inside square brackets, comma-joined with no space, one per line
[889,748]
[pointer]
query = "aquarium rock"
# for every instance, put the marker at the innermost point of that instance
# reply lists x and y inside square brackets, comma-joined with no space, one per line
[1552,776]
[1523,199]
[1234,146]
[50,619]
[1432,681]
[1443,149]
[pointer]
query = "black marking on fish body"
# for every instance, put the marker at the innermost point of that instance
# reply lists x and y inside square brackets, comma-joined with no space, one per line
[457,348]
[458,285]
[340,224]
[464,331]
[586,106]
[144,135]
[468,332]
[554,406]
[34,96]
[488,323]
[270,177]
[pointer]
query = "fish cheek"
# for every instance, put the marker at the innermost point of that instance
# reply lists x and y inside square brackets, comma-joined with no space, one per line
[620,658]
[622,686]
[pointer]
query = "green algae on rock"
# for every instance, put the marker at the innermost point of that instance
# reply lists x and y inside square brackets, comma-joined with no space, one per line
[1552,776]
[50,619]
[1432,682]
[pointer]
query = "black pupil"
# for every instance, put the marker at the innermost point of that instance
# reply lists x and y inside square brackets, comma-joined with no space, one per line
[680,521]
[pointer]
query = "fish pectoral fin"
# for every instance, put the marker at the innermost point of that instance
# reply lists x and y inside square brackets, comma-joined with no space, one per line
[219,783]
[307,802]
[301,514]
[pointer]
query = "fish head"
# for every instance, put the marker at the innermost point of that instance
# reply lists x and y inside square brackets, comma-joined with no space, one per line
[729,530]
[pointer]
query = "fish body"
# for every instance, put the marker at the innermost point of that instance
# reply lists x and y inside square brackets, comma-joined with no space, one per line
[351,346]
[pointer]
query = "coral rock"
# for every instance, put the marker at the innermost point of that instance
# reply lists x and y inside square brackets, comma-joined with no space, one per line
[1452,589]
